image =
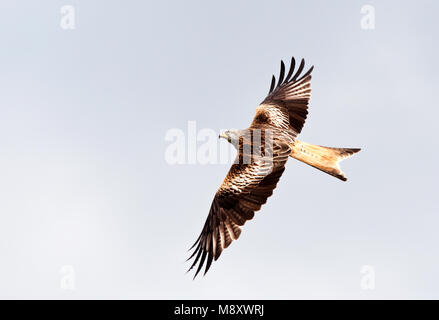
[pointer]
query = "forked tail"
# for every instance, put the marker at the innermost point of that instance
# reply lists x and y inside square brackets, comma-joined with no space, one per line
[322,158]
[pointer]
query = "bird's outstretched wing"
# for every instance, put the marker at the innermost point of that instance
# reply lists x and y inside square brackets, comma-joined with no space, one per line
[286,105]
[244,190]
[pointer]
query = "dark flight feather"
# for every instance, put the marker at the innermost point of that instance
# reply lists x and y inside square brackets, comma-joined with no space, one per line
[282,73]
[292,66]
[273,82]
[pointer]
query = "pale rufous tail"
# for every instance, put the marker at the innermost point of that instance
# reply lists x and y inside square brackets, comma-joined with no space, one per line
[322,158]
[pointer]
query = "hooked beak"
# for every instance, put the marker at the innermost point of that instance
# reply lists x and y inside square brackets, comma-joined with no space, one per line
[223,135]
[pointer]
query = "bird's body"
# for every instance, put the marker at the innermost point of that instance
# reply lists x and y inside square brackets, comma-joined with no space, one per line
[262,152]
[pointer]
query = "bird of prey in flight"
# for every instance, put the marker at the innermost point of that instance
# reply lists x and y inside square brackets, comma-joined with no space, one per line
[262,152]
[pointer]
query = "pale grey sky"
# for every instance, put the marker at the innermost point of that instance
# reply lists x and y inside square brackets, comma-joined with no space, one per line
[84,181]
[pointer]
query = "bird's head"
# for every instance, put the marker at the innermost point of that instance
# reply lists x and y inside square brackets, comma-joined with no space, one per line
[231,136]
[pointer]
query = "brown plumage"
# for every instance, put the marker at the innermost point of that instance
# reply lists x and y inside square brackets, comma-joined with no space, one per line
[263,150]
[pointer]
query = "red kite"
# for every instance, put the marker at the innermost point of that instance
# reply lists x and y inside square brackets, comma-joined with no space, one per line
[263,150]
